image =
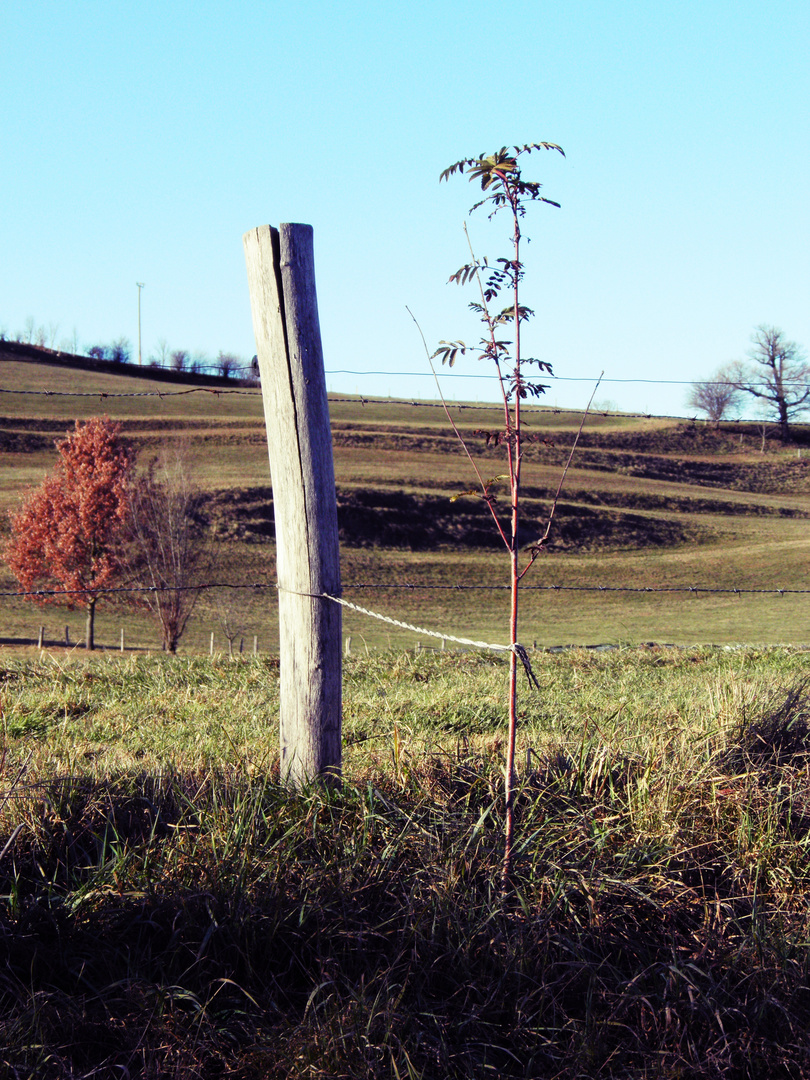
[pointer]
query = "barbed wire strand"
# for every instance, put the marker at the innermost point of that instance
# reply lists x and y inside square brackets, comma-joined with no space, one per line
[132,393]
[537,411]
[249,372]
[411,586]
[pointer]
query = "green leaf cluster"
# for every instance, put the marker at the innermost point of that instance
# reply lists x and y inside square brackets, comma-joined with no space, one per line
[500,175]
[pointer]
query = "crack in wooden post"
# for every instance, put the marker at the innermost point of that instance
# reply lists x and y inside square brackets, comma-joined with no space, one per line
[281,280]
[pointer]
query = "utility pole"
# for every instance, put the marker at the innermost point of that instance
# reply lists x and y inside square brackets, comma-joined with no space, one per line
[140,286]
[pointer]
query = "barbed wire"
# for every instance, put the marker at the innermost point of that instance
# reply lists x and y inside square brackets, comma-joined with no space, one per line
[533,410]
[584,588]
[133,393]
[250,370]
[519,649]
[411,586]
[570,378]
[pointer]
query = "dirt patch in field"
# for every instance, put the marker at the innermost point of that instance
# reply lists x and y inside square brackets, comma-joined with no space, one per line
[370,518]
[24,442]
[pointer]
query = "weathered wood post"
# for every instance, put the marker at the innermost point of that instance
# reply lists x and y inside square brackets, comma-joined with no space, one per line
[281,278]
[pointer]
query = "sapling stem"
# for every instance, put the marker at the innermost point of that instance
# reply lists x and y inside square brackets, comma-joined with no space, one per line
[500,176]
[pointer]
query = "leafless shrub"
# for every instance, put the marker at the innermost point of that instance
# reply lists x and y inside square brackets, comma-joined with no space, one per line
[227,365]
[716,398]
[168,548]
[120,350]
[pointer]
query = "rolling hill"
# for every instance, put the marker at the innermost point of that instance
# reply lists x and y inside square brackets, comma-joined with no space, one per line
[649,503]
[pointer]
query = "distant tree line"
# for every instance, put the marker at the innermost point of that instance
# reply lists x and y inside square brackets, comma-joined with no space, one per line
[225,364]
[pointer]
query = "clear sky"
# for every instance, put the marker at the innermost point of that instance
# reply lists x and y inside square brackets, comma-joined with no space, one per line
[139,141]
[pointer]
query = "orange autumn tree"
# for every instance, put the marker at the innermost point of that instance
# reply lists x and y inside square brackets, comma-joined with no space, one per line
[67,534]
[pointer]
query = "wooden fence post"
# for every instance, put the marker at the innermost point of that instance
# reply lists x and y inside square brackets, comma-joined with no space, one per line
[281,279]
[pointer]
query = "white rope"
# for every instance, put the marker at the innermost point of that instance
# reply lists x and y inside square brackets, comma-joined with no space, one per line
[518,649]
[404,625]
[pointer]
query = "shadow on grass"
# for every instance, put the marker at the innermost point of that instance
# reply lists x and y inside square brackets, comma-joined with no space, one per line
[206,924]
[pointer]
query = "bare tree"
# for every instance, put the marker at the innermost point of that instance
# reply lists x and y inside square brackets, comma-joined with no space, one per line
[232,607]
[168,549]
[198,362]
[227,364]
[229,608]
[777,374]
[604,405]
[27,334]
[180,360]
[162,354]
[716,398]
[120,350]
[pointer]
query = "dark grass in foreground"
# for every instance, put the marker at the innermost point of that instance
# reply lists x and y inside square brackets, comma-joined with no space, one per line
[190,918]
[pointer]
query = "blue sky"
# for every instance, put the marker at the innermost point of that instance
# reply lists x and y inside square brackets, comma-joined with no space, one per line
[141,140]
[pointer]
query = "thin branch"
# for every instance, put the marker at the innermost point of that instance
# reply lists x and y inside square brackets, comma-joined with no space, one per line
[459,436]
[537,546]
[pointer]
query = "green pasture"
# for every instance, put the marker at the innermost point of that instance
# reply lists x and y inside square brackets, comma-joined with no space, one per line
[107,715]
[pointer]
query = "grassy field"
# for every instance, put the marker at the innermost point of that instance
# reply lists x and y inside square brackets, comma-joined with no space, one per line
[648,504]
[167,909]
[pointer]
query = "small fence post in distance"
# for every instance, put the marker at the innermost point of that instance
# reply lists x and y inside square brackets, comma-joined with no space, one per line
[41,640]
[281,280]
